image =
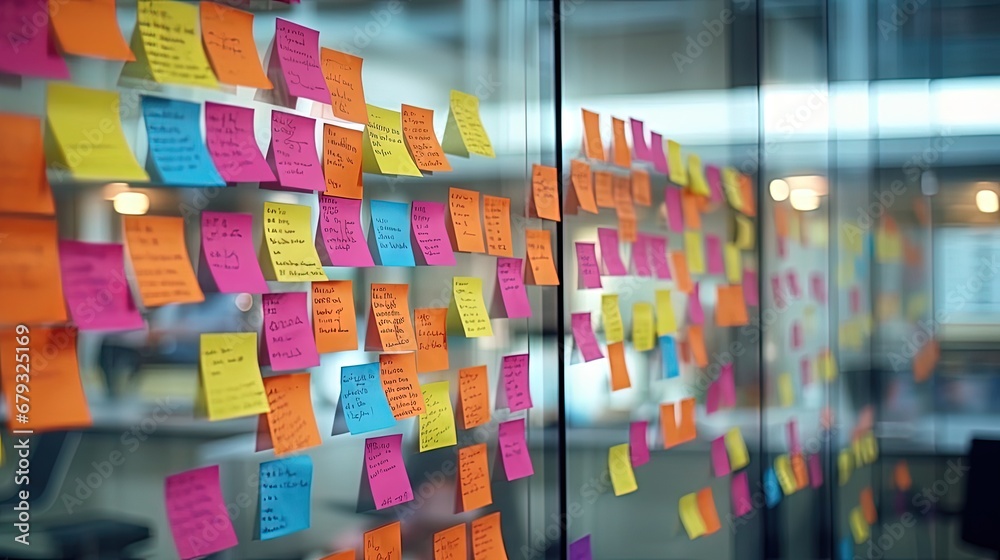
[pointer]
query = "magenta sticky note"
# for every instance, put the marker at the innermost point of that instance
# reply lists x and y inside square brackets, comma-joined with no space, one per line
[287,341]
[227,252]
[640,256]
[656,153]
[782,244]
[776,293]
[696,316]
[27,47]
[815,471]
[514,383]
[639,147]
[714,178]
[712,397]
[229,136]
[657,249]
[855,297]
[818,286]
[793,284]
[295,60]
[587,267]
[431,233]
[386,471]
[727,385]
[514,449]
[793,437]
[580,549]
[583,336]
[750,287]
[638,445]
[713,254]
[95,288]
[611,258]
[796,335]
[675,212]
[804,370]
[510,281]
[194,502]
[720,458]
[340,241]
[740,491]
[293,156]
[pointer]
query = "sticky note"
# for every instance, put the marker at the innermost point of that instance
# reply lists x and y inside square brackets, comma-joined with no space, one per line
[514,449]
[510,282]
[668,355]
[544,201]
[611,319]
[750,288]
[474,477]
[284,497]
[691,210]
[431,327]
[859,527]
[88,29]
[515,387]
[736,448]
[287,341]
[727,385]
[160,260]
[800,470]
[451,543]
[464,133]
[678,171]
[826,366]
[611,259]
[291,422]
[786,389]
[593,146]
[713,252]
[720,458]
[227,34]
[389,325]
[674,206]
[583,336]
[619,368]
[695,314]
[437,423]
[730,309]
[677,422]
[24,188]
[294,67]
[167,46]
[291,256]
[541,270]
[845,465]
[399,380]
[696,338]
[695,252]
[786,478]
[232,146]
[714,177]
[743,233]
[643,335]
[640,256]
[868,505]
[487,538]
[580,549]
[384,543]
[687,507]
[363,399]
[95,287]
[680,271]
[588,270]
[731,186]
[496,214]
[342,72]
[639,147]
[194,501]
[387,476]
[620,465]
[342,149]
[709,514]
[340,240]
[696,177]
[423,146]
[390,231]
[622,156]
[641,191]
[581,195]
[384,149]
[292,154]
[468,303]
[665,321]
[228,255]
[772,489]
[474,396]
[230,376]
[740,491]
[733,263]
[333,316]
[638,446]
[815,471]
[604,189]
[467,231]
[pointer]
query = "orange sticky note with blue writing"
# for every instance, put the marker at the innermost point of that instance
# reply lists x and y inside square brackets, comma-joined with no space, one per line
[384,542]
[619,369]
[31,283]
[680,269]
[544,202]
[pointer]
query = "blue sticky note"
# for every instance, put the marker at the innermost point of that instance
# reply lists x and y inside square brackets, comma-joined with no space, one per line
[285,486]
[846,549]
[772,490]
[177,153]
[391,230]
[362,397]
[580,549]
[668,350]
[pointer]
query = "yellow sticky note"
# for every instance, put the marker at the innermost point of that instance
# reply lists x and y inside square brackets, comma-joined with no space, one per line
[786,477]
[857,451]
[852,237]
[678,172]
[642,327]
[696,176]
[665,321]
[845,272]
[826,365]
[916,307]
[87,134]
[736,447]
[786,389]
[845,464]
[888,247]
[231,385]
[468,304]
[851,337]
[168,47]
[464,133]
[437,423]
[383,147]
[734,263]
[691,516]
[743,234]
[695,251]
[859,527]
[620,465]
[731,186]
[869,447]
[611,318]
[288,253]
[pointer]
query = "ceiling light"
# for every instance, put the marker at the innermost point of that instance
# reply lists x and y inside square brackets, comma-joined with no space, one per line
[131,203]
[804,200]
[987,201]
[779,190]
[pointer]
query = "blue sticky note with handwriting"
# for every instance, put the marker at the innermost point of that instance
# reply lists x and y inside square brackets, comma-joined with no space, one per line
[668,350]
[283,501]
[177,153]
[772,490]
[391,233]
[366,409]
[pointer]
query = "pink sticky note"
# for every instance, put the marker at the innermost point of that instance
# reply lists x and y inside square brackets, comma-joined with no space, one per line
[712,397]
[27,47]
[656,153]
[587,267]
[658,255]
[292,155]
[696,315]
[818,286]
[804,370]
[194,502]
[714,178]
[727,385]
[793,284]
[740,491]
[638,446]
[514,450]
[431,233]
[228,253]
[611,258]
[340,240]
[713,250]
[386,471]
[793,437]
[855,297]
[287,342]
[815,471]
[583,336]
[640,256]
[782,244]
[295,65]
[675,213]
[229,135]
[514,383]
[95,288]
[796,335]
[776,293]
[639,147]
[750,288]
[510,280]
[720,458]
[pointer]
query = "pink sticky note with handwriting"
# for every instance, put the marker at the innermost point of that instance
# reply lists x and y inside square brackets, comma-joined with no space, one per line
[696,316]
[27,47]
[514,449]
[638,446]
[714,178]
[658,256]
[640,256]
[656,153]
[583,336]
[720,458]
[431,233]
[295,58]
[712,397]
[229,136]
[287,342]
[675,213]
[750,288]
[818,286]
[793,284]
[510,281]
[793,437]
[293,156]
[95,287]
[796,335]
[194,502]
[227,251]
[727,385]
[639,147]
[587,267]
[815,471]
[386,471]
[713,251]
[514,383]
[740,491]
[611,258]
[340,241]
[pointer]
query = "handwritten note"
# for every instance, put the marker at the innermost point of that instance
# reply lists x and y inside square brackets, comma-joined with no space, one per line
[620,466]
[604,189]
[593,147]
[418,131]
[194,501]
[291,254]
[474,396]
[363,400]
[432,339]
[859,527]
[178,156]
[583,336]
[292,154]
[384,147]
[451,543]
[467,231]
[399,380]
[342,161]
[467,300]
[294,66]
[541,269]
[160,260]
[487,538]
[290,422]
[390,229]
[230,376]
[340,240]
[510,282]
[437,423]
[24,188]
[641,190]
[514,449]
[229,134]
[431,234]
[389,325]
[88,29]
[588,270]
[611,258]
[544,201]
[619,368]
[515,386]
[386,472]
[474,477]
[497,218]
[228,37]
[342,72]
[581,195]
[227,252]
[464,133]
[167,46]
[287,338]
[285,488]
[95,287]
[333,318]
[643,336]
[611,318]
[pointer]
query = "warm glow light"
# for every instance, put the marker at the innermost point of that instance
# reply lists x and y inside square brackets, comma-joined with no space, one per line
[804,200]
[131,203]
[987,201]
[779,190]
[111,190]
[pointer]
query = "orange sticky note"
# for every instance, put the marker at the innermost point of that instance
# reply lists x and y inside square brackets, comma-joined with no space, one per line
[544,202]
[628,228]
[342,555]
[593,147]
[623,196]
[680,270]
[800,470]
[868,505]
[334,322]
[474,396]
[227,34]
[780,220]
[342,73]
[423,145]
[432,338]
[52,397]
[389,325]
[925,361]
[384,542]
[291,422]
[582,193]
[901,476]
[696,337]
[677,431]
[89,29]
[641,191]
[342,161]
[451,544]
[487,538]
[746,193]
[604,189]
[24,188]
[496,210]
[399,380]
[619,369]
[731,309]
[466,224]
[160,260]
[706,505]
[542,267]
[689,206]
[474,477]
[31,282]
[622,153]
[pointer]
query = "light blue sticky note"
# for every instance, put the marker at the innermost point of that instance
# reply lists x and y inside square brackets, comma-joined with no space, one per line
[772,490]
[177,153]
[668,350]
[391,231]
[846,549]
[283,501]
[363,399]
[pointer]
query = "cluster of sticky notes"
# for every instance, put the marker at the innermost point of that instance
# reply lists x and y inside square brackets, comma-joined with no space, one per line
[698,513]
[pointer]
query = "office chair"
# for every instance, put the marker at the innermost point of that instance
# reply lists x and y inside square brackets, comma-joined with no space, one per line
[981,514]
